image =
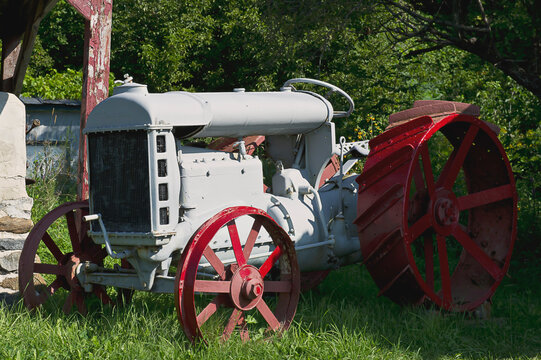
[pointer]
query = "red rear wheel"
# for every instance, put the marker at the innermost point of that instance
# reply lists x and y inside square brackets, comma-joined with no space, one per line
[437,212]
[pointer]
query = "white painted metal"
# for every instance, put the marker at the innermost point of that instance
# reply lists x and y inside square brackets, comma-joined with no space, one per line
[230,114]
[332,89]
[202,182]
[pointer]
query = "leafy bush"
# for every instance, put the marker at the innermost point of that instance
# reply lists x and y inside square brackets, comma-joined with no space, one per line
[54,85]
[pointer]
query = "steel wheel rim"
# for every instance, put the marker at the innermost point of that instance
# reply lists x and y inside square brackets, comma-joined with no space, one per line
[82,249]
[442,224]
[279,319]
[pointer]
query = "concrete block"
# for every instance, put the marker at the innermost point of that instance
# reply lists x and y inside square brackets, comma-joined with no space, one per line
[15,225]
[9,260]
[12,147]
[10,241]
[9,282]
[17,208]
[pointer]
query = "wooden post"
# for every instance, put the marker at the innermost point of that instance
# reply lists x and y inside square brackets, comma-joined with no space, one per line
[98,22]
[11,47]
[20,26]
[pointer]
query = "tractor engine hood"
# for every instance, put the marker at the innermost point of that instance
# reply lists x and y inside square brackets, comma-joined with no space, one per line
[231,114]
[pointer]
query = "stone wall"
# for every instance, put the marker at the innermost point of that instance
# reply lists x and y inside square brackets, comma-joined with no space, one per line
[15,205]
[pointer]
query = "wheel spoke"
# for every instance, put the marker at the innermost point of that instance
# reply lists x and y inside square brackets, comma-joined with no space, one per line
[80,301]
[267,265]
[419,227]
[418,177]
[209,310]
[235,241]
[474,250]
[100,292]
[250,242]
[53,248]
[68,304]
[485,197]
[429,261]
[99,254]
[239,285]
[233,321]
[210,286]
[74,236]
[277,286]
[268,315]
[427,169]
[48,269]
[444,270]
[214,261]
[76,298]
[454,164]
[50,290]
[55,285]
[244,334]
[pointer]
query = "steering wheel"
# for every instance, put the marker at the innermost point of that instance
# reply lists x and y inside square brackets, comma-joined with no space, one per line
[332,89]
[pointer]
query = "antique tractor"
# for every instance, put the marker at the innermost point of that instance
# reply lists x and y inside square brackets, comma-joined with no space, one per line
[432,216]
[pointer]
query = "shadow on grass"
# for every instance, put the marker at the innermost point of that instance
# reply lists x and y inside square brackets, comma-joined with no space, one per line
[347,301]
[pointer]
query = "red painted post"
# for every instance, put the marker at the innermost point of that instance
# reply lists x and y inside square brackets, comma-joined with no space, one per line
[98,22]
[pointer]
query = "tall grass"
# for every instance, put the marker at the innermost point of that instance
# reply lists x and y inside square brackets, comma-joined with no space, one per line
[342,319]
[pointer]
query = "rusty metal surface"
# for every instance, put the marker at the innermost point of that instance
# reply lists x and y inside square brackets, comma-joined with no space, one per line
[11,48]
[228,144]
[437,110]
[437,225]
[238,286]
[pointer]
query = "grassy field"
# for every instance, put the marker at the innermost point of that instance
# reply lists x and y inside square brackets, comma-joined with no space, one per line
[342,319]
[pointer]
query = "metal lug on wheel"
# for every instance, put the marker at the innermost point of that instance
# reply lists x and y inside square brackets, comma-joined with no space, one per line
[437,212]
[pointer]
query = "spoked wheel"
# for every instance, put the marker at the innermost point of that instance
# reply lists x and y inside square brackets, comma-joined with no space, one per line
[59,255]
[437,212]
[237,292]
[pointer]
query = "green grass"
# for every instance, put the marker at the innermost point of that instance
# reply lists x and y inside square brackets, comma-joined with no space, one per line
[343,319]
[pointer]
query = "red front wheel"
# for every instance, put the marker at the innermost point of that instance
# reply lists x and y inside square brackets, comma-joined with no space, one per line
[235,295]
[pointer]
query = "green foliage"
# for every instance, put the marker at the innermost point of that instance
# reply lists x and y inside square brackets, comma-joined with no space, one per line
[54,85]
[216,45]
[61,35]
[343,319]
[41,61]
[211,45]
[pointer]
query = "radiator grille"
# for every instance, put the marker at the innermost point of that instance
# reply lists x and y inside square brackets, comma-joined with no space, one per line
[119,184]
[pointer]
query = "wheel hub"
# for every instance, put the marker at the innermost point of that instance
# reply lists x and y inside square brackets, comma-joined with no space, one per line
[252,288]
[70,271]
[246,287]
[445,211]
